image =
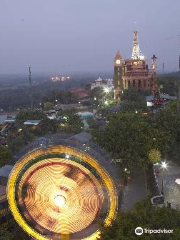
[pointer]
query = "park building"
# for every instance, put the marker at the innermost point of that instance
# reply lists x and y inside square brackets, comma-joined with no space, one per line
[134,72]
[103,84]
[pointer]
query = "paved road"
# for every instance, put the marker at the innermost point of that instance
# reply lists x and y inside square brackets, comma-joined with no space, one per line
[171,189]
[136,189]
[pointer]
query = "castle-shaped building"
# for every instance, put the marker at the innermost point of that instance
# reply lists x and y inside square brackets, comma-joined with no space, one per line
[134,72]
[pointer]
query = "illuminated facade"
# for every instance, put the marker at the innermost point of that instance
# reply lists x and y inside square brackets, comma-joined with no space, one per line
[134,72]
[60,192]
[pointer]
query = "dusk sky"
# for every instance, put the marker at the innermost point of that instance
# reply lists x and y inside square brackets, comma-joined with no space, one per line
[83,35]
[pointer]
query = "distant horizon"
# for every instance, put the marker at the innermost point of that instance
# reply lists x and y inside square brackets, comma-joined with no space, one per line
[50,73]
[75,73]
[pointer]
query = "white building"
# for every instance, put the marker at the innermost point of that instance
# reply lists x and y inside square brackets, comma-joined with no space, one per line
[103,83]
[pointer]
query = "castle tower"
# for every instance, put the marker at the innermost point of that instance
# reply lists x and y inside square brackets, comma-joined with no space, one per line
[118,63]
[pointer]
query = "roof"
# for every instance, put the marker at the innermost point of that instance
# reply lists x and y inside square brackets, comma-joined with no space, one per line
[83,95]
[5,117]
[98,80]
[82,137]
[78,90]
[85,114]
[5,170]
[10,121]
[32,122]
[118,55]
[163,96]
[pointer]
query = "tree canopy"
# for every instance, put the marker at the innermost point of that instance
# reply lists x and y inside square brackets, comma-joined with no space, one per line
[168,121]
[71,123]
[144,215]
[168,84]
[5,155]
[128,137]
[25,115]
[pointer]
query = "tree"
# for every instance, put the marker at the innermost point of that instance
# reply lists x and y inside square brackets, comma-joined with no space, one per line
[133,106]
[154,156]
[168,121]
[19,233]
[169,84]
[133,100]
[128,137]
[5,155]
[72,122]
[96,96]
[25,115]
[133,95]
[23,137]
[147,216]
[13,233]
[15,144]
[26,135]
[48,106]
[5,234]
[49,126]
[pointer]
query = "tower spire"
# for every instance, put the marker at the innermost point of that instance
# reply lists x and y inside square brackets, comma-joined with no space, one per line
[136,52]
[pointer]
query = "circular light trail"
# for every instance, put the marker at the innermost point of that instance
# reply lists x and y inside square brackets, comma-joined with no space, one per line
[51,195]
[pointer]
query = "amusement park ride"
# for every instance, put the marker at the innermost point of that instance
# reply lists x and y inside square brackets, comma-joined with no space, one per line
[61,192]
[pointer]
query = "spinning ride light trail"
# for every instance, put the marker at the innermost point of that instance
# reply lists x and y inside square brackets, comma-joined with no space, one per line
[50,195]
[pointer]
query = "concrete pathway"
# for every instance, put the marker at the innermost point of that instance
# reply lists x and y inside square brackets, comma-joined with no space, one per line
[135,191]
[171,188]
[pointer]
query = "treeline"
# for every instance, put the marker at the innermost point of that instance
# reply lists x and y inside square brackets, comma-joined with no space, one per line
[144,215]
[20,98]
[11,99]
[137,137]
[168,84]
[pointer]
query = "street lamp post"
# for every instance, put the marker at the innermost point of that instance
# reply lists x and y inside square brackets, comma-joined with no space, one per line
[162,190]
[164,166]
